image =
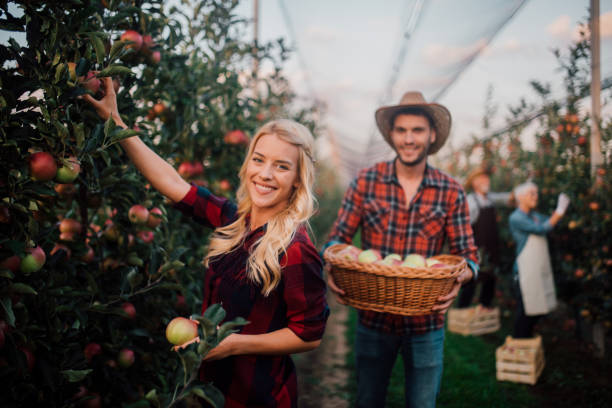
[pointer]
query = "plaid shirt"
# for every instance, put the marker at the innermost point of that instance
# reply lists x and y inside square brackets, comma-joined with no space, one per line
[297,303]
[375,201]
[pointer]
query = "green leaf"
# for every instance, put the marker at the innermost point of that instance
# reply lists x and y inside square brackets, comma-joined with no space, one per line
[59,71]
[116,49]
[114,70]
[203,348]
[79,134]
[215,313]
[192,361]
[210,394]
[109,126]
[22,288]
[99,47]
[6,273]
[152,397]
[124,134]
[228,328]
[76,375]
[7,305]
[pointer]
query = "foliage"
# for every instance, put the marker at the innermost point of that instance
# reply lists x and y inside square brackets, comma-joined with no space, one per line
[182,102]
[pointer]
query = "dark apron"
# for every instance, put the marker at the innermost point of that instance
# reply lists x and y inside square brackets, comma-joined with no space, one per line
[486,236]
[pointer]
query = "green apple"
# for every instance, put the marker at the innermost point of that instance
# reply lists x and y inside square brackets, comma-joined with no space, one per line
[181,330]
[414,261]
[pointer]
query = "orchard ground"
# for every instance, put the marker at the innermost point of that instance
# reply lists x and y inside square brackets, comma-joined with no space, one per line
[573,376]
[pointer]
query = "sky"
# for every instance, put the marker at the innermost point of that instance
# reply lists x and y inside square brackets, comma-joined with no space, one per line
[347,52]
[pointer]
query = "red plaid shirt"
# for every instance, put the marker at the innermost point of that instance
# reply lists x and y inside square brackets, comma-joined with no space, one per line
[376,202]
[297,303]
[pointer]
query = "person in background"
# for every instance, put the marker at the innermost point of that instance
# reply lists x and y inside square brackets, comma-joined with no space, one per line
[261,264]
[533,283]
[406,206]
[483,218]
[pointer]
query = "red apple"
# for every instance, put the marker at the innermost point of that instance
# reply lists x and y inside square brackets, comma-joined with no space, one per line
[30,359]
[89,255]
[65,190]
[61,247]
[146,236]
[236,137]
[129,310]
[135,37]
[180,302]
[155,57]
[138,214]
[147,43]
[159,108]
[155,217]
[91,350]
[225,185]
[11,263]
[126,358]
[33,261]
[185,170]
[181,330]
[91,82]
[197,169]
[70,225]
[42,166]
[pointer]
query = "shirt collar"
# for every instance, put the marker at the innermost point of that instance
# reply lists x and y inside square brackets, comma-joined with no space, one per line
[430,178]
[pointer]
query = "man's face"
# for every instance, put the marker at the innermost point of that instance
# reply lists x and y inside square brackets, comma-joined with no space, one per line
[481,184]
[411,137]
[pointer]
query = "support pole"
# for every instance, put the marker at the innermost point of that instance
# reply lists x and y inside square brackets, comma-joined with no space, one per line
[596,156]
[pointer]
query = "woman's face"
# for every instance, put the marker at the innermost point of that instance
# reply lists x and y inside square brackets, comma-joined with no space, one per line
[271,176]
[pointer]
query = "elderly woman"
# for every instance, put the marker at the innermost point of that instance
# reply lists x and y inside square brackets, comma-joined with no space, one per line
[532,269]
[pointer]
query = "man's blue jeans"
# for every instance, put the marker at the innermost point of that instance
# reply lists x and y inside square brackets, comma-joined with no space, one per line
[376,353]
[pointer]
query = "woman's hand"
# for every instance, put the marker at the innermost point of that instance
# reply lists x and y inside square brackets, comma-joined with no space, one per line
[223,349]
[107,106]
[444,302]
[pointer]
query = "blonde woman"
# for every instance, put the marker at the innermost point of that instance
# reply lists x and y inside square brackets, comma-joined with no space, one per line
[261,263]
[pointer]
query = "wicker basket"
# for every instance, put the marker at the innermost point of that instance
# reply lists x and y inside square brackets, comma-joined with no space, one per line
[393,289]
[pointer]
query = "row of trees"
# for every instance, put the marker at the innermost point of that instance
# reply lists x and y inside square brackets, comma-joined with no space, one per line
[93,263]
[581,245]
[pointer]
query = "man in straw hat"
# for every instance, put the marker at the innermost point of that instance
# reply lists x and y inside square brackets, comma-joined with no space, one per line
[483,217]
[405,206]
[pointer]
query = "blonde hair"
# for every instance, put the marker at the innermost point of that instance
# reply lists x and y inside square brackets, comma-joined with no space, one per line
[263,263]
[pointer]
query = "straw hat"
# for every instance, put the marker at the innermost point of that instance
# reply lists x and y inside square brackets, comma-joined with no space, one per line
[439,114]
[475,173]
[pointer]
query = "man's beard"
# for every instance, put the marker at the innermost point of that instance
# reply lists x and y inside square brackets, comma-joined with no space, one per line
[422,156]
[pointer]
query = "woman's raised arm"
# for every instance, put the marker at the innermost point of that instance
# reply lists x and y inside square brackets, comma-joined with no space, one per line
[162,176]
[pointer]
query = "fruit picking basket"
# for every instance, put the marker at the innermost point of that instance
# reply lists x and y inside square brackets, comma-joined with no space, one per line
[395,289]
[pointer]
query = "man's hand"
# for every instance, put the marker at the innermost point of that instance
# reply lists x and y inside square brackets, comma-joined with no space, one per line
[444,302]
[339,293]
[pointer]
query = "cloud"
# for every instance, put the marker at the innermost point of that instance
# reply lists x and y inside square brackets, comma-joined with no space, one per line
[559,28]
[562,29]
[444,55]
[322,34]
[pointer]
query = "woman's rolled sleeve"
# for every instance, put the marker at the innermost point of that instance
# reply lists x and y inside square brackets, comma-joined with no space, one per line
[206,208]
[304,292]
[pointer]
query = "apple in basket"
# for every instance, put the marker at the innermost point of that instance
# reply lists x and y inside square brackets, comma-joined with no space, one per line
[434,263]
[392,259]
[414,261]
[369,256]
[350,253]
